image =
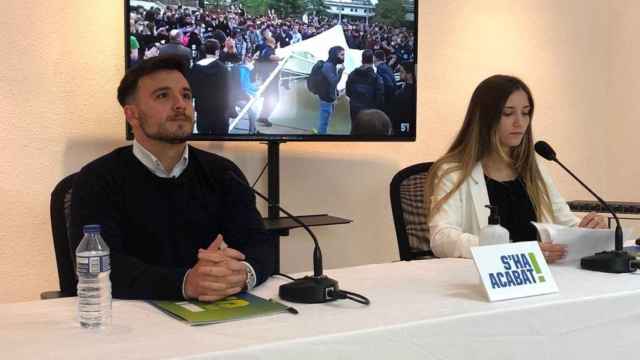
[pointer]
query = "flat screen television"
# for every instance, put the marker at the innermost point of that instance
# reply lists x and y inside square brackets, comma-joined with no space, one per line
[294,70]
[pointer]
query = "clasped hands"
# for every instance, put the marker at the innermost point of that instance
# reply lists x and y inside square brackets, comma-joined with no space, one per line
[554,252]
[218,273]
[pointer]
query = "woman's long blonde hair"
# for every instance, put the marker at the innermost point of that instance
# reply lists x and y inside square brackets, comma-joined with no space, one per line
[478,138]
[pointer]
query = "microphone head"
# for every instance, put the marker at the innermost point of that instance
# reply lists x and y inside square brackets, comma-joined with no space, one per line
[545,150]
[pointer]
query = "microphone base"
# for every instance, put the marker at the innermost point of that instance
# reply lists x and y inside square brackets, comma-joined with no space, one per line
[608,261]
[309,290]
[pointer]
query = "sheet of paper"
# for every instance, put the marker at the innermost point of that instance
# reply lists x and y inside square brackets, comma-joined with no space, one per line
[580,242]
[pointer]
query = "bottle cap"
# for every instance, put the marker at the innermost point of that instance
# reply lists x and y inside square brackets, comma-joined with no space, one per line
[93,228]
[494,218]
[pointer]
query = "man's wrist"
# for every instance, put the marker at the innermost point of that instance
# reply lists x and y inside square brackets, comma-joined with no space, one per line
[184,285]
[251,276]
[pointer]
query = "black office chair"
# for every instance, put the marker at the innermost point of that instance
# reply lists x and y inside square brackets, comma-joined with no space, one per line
[409,214]
[60,209]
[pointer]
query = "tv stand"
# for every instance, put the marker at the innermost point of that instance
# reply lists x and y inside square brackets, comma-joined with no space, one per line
[280,226]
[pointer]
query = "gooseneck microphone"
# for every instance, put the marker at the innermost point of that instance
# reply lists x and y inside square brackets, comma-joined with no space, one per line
[616,261]
[318,288]
[544,149]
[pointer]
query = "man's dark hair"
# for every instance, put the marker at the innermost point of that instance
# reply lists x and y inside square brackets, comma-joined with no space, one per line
[335,50]
[379,55]
[333,54]
[371,122]
[129,82]
[367,57]
[220,36]
[211,47]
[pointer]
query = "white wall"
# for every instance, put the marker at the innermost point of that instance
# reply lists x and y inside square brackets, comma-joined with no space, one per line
[64,59]
[622,119]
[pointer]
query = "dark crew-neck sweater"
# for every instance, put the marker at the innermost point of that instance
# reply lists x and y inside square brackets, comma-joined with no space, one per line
[514,207]
[154,226]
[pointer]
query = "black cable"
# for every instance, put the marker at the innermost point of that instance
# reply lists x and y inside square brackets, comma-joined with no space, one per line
[356,297]
[344,294]
[261,173]
[285,275]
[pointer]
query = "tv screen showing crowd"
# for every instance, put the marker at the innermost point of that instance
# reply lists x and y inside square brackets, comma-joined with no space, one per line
[266,74]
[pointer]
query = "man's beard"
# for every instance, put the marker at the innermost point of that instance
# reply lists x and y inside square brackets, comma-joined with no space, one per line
[163,133]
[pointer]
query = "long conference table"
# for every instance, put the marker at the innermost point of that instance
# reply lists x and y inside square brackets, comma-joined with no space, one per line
[429,309]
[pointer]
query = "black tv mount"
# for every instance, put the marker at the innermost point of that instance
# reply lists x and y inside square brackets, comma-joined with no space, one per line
[279,226]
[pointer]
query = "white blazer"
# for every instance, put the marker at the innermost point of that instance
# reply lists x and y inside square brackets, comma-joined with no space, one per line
[456,226]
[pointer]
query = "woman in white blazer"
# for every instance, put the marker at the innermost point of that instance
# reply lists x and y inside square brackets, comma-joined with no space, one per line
[492,161]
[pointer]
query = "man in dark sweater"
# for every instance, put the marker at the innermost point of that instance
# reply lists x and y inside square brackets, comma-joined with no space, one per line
[161,203]
[365,88]
[209,81]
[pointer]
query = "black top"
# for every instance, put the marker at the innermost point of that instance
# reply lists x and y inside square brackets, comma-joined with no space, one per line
[514,207]
[365,90]
[403,108]
[154,226]
[210,86]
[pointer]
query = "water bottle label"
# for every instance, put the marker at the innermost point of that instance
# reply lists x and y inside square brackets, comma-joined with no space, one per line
[93,264]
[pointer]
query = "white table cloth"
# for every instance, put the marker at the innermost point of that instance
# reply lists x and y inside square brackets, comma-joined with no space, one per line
[431,309]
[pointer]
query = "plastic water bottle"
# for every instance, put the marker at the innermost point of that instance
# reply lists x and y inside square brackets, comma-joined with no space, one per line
[94,285]
[493,234]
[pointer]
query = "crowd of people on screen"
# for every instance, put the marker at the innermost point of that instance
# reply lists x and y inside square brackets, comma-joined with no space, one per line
[231,53]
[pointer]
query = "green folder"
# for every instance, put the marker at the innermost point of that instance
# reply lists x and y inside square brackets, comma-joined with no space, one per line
[237,307]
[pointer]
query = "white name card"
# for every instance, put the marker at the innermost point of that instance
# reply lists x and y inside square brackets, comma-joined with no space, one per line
[514,270]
